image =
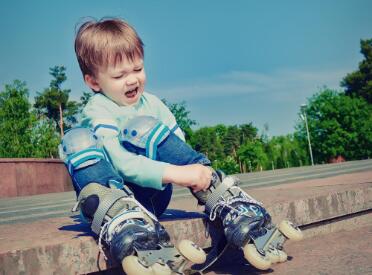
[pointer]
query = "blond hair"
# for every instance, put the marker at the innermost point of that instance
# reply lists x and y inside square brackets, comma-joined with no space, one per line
[106,42]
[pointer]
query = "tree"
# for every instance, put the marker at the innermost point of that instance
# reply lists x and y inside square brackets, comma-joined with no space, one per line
[54,102]
[231,141]
[247,132]
[85,98]
[220,143]
[228,165]
[339,126]
[21,133]
[15,121]
[285,151]
[252,153]
[45,139]
[181,114]
[359,83]
[206,141]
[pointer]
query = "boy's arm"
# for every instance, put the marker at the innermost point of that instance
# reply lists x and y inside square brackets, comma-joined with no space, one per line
[150,173]
[196,176]
[133,168]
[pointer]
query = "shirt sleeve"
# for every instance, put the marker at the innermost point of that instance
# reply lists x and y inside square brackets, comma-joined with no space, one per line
[133,168]
[168,118]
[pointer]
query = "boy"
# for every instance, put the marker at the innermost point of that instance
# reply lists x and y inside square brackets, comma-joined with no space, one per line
[137,134]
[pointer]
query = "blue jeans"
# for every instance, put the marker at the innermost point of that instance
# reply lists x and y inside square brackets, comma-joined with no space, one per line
[172,150]
[102,172]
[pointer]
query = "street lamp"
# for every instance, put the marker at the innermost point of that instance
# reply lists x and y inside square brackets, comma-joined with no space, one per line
[304,118]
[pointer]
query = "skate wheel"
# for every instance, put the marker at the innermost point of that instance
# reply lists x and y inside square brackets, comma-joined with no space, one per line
[132,266]
[161,269]
[273,256]
[282,256]
[192,252]
[290,231]
[255,258]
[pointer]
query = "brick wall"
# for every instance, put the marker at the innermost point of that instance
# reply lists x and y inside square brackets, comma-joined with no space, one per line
[23,177]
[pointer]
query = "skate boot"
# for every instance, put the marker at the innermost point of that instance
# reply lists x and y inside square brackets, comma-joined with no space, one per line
[247,224]
[132,235]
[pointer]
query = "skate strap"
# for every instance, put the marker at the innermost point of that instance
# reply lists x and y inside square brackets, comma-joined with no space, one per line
[215,196]
[104,207]
[126,215]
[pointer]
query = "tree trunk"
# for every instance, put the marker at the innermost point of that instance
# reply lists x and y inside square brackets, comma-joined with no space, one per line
[61,119]
[240,166]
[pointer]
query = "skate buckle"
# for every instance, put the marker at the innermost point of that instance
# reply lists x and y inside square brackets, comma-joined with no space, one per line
[164,255]
[272,239]
[76,207]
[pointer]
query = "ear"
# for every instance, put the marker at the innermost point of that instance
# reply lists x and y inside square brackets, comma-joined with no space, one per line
[92,83]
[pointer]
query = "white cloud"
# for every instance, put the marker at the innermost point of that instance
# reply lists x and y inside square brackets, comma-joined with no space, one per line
[245,96]
[278,85]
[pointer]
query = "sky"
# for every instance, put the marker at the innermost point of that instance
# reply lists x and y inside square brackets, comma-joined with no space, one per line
[232,62]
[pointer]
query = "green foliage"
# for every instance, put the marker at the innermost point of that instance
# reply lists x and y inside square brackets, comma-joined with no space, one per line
[21,133]
[15,121]
[359,83]
[252,153]
[54,102]
[228,165]
[182,117]
[239,149]
[339,126]
[221,144]
[247,132]
[85,98]
[231,141]
[286,151]
[45,139]
[206,141]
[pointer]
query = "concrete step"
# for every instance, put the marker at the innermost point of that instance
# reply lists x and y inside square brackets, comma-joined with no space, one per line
[30,208]
[65,246]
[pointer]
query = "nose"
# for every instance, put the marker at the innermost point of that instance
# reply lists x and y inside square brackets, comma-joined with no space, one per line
[131,80]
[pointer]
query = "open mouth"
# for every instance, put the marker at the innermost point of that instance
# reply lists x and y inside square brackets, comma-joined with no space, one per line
[131,93]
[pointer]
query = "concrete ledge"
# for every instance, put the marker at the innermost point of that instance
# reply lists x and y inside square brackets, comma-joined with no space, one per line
[65,246]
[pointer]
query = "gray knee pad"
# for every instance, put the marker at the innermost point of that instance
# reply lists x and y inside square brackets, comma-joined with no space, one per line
[145,132]
[80,148]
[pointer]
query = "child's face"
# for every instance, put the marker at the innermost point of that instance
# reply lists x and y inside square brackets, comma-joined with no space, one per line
[123,83]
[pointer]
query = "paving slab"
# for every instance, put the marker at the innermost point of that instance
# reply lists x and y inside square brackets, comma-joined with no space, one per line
[342,253]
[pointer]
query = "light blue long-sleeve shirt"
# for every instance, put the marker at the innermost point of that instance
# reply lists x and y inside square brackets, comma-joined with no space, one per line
[107,119]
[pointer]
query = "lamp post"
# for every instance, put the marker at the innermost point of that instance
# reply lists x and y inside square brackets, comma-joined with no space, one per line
[304,118]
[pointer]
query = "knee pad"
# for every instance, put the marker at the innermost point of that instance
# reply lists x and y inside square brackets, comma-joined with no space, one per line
[99,204]
[145,132]
[80,148]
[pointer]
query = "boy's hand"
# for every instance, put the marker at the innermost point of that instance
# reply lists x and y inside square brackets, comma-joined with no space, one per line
[196,176]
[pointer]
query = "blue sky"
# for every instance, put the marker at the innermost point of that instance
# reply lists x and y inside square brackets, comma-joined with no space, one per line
[233,62]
